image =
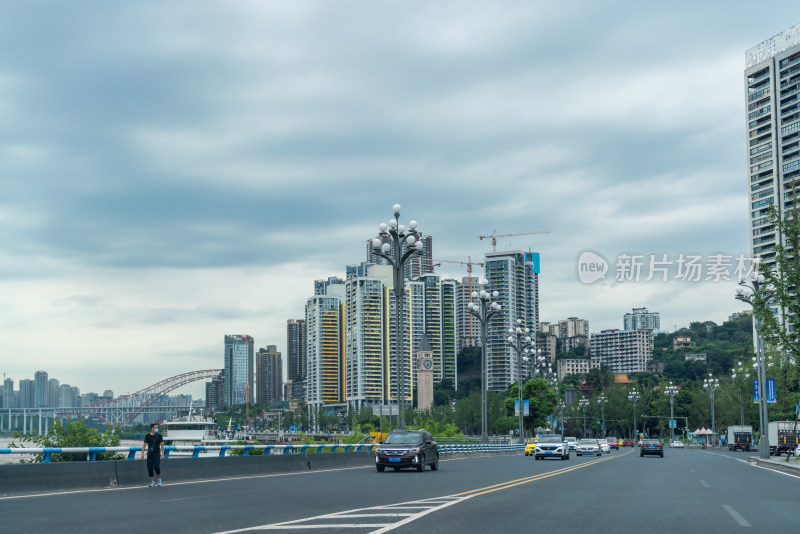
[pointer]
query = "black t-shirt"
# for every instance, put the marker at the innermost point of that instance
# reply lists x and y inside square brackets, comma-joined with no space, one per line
[153,444]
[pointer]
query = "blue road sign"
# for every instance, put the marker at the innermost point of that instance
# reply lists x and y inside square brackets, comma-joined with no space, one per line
[771,395]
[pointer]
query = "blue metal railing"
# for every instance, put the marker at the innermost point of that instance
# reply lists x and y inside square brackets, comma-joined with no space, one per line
[91,452]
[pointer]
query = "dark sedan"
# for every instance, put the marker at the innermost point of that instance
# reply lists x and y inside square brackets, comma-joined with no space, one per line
[407,448]
[652,447]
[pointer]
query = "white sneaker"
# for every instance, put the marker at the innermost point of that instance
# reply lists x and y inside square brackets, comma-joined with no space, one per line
[159,482]
[152,483]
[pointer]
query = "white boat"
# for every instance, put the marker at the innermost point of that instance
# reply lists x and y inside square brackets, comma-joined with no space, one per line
[189,431]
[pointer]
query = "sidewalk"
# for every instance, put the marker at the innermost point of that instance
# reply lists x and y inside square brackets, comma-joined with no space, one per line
[791,467]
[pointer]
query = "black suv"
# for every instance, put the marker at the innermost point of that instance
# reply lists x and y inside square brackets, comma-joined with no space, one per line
[407,448]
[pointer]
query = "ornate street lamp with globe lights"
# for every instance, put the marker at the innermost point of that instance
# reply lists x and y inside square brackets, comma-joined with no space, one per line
[396,244]
[633,396]
[671,391]
[740,376]
[520,340]
[584,403]
[753,293]
[484,310]
[711,384]
[602,400]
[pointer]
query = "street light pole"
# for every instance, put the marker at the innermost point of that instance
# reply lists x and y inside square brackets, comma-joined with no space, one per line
[671,391]
[750,294]
[583,403]
[633,396]
[484,312]
[602,400]
[396,244]
[520,341]
[739,375]
[711,384]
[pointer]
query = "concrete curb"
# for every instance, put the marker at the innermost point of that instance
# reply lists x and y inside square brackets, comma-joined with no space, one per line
[791,467]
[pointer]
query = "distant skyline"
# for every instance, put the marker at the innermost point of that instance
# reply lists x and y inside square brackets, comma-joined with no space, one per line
[174,172]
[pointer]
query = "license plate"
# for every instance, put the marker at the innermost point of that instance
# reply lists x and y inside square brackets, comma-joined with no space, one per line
[548,452]
[394,459]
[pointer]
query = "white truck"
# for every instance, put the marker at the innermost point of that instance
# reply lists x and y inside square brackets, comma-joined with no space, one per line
[784,436]
[740,437]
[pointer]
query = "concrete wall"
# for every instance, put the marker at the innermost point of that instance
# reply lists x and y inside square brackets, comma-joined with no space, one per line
[61,476]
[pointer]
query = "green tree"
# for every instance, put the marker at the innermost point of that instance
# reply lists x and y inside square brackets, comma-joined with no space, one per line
[782,280]
[70,434]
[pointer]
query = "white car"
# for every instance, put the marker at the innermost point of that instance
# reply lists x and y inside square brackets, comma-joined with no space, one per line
[604,447]
[587,446]
[676,444]
[573,442]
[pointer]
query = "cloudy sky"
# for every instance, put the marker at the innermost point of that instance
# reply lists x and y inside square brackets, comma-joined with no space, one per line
[176,171]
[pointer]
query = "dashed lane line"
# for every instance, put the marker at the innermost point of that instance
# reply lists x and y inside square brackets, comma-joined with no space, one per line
[736,516]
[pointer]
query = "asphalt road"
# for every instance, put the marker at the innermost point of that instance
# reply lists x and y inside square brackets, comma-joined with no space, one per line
[688,490]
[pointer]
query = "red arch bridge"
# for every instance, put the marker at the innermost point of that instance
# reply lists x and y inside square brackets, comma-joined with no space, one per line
[120,411]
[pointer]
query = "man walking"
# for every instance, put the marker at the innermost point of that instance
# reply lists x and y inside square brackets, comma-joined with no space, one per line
[154,444]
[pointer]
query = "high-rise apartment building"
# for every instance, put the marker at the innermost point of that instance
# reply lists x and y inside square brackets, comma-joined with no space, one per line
[641,319]
[238,369]
[772,99]
[514,275]
[364,363]
[42,394]
[324,352]
[215,392]
[27,394]
[8,393]
[449,344]
[269,375]
[296,350]
[53,387]
[468,329]
[623,351]
[321,287]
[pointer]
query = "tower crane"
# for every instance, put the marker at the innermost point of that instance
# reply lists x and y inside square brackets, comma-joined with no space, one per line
[495,235]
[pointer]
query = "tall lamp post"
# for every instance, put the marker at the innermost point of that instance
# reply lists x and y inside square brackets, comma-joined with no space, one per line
[633,396]
[602,400]
[671,391]
[711,384]
[583,403]
[520,340]
[561,407]
[740,376]
[484,311]
[396,244]
[750,293]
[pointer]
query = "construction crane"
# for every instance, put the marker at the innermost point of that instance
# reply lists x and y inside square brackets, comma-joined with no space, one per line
[495,235]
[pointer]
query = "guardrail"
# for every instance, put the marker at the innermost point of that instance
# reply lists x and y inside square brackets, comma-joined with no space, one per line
[91,452]
[455,448]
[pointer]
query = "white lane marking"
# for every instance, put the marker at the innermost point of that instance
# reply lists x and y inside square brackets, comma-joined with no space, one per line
[323,522]
[736,516]
[693,471]
[705,484]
